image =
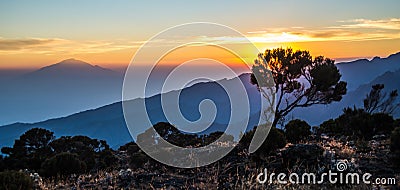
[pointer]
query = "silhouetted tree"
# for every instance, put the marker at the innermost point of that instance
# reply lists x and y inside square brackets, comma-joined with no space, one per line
[63,164]
[169,133]
[330,127]
[378,101]
[299,80]
[30,150]
[37,145]
[91,151]
[297,130]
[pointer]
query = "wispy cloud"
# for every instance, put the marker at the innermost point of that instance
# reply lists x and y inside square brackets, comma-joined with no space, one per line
[346,35]
[255,37]
[388,24]
[56,46]
[19,44]
[347,30]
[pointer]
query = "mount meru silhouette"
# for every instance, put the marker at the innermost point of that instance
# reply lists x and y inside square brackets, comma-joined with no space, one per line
[58,90]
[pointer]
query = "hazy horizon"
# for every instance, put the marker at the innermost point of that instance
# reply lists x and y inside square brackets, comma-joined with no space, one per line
[121,67]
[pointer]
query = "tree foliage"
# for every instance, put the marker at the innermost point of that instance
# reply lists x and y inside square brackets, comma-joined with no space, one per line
[63,164]
[330,127]
[299,80]
[359,124]
[91,151]
[37,146]
[297,130]
[130,147]
[303,157]
[171,134]
[378,101]
[31,149]
[275,140]
[138,159]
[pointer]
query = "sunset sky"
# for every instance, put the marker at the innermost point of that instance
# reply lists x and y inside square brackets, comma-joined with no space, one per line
[108,33]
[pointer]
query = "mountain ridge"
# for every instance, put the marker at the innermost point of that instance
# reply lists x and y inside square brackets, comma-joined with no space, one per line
[363,71]
[107,121]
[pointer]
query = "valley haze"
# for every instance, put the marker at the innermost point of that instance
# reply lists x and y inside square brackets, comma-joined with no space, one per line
[63,91]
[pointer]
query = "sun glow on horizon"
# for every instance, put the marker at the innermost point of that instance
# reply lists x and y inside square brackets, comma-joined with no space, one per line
[346,39]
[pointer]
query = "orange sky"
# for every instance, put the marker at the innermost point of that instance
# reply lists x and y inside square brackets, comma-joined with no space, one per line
[108,34]
[118,58]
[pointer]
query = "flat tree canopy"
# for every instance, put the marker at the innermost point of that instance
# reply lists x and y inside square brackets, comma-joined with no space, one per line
[299,80]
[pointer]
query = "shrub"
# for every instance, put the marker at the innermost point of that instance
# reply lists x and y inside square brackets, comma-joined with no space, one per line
[30,150]
[138,159]
[275,140]
[362,146]
[63,164]
[106,159]
[15,180]
[306,156]
[384,123]
[330,127]
[395,141]
[359,124]
[297,130]
[87,149]
[2,164]
[130,147]
[395,145]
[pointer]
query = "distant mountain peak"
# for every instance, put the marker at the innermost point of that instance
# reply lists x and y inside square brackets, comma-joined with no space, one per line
[71,68]
[74,64]
[73,61]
